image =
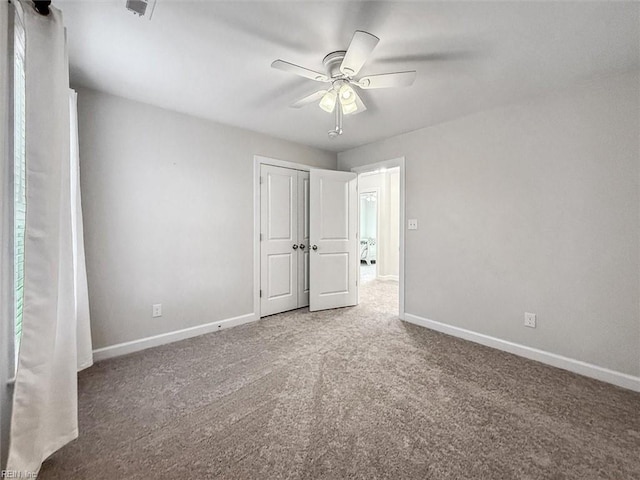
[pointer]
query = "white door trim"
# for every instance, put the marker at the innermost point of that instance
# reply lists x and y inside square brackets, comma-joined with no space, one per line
[258,161]
[394,162]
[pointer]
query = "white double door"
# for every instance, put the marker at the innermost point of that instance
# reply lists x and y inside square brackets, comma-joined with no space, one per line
[308,239]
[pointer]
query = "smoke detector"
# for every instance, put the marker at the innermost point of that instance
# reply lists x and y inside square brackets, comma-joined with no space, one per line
[142,8]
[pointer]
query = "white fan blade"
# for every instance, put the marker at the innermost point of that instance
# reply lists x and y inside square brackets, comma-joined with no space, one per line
[387,80]
[361,106]
[298,70]
[361,46]
[313,98]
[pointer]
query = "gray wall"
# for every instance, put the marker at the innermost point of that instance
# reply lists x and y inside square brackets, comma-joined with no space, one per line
[168,211]
[530,207]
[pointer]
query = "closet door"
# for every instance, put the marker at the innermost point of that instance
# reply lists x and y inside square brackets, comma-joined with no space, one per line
[279,247]
[303,239]
[334,250]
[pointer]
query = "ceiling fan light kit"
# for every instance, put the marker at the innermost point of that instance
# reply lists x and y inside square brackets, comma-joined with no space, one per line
[328,101]
[342,67]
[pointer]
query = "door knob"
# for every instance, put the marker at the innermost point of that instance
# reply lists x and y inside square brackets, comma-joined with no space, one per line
[295,247]
[315,247]
[302,246]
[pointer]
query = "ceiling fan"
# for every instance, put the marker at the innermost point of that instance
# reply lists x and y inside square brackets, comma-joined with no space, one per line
[341,69]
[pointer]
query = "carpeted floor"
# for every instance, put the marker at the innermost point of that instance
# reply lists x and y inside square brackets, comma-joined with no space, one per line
[352,393]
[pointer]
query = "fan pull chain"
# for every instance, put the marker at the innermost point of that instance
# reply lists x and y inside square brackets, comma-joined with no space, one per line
[338,130]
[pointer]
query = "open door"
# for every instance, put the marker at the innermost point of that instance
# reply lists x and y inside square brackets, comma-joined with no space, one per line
[333,238]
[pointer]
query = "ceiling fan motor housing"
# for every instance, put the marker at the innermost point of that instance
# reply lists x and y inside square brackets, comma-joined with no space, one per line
[332,63]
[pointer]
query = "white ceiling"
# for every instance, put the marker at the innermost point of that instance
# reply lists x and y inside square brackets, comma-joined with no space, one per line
[212,58]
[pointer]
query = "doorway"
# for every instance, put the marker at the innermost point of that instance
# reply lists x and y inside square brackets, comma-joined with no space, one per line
[305,237]
[334,263]
[369,234]
[381,236]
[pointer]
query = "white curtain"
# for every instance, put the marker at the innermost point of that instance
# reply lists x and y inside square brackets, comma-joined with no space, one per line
[85,349]
[44,416]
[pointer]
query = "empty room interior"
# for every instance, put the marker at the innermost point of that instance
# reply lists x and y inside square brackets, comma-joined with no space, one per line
[320,239]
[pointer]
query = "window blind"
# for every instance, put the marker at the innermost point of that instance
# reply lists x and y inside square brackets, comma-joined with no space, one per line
[19,177]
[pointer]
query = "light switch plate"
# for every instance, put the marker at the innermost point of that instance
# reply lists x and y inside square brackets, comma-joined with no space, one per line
[413,224]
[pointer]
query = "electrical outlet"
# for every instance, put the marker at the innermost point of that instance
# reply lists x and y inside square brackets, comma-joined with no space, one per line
[530,320]
[156,310]
[412,224]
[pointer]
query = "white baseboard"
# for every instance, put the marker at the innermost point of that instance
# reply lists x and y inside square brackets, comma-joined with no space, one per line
[576,366]
[164,338]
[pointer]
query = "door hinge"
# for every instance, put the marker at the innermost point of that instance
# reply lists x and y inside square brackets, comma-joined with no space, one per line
[260,293]
[260,237]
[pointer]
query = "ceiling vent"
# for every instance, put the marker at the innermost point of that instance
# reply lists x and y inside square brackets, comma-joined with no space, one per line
[143,8]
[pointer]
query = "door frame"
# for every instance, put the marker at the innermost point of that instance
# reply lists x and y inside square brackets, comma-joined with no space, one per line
[258,161]
[372,167]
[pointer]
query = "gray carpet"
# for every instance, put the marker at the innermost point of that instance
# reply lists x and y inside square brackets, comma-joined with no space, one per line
[352,393]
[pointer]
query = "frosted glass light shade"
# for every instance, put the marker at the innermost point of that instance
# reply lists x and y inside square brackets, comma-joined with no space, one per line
[348,108]
[347,99]
[328,101]
[347,95]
